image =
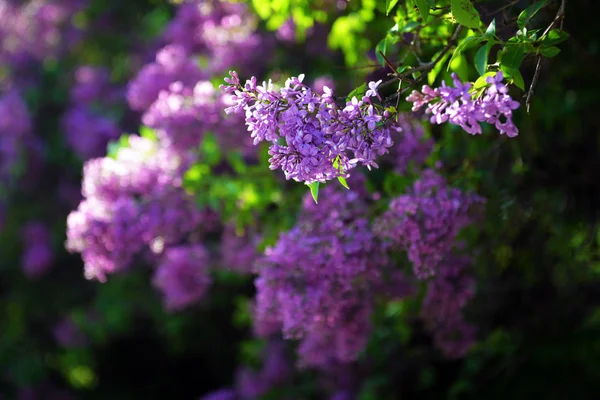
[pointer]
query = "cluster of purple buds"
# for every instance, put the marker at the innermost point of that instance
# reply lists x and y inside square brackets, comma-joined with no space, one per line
[460,106]
[312,138]
[426,221]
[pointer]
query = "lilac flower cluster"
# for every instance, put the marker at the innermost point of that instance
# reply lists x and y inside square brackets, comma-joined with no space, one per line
[87,124]
[238,252]
[447,294]
[182,276]
[319,280]
[411,146]
[182,115]
[251,384]
[36,29]
[173,64]
[457,105]
[312,139]
[223,33]
[15,132]
[426,220]
[37,254]
[131,202]
[67,334]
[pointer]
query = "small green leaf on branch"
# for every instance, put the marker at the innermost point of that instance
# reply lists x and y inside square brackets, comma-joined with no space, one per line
[465,13]
[343,182]
[550,51]
[554,37]
[314,190]
[512,56]
[481,58]
[491,29]
[423,7]
[463,45]
[389,6]
[529,12]
[358,92]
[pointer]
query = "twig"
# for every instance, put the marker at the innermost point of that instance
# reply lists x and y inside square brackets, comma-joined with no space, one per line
[536,76]
[425,68]
[508,5]
[560,14]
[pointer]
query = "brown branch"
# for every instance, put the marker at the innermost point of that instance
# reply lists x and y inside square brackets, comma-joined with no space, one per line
[425,68]
[560,14]
[536,76]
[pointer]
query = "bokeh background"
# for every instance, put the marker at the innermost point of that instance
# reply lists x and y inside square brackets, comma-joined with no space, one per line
[77,74]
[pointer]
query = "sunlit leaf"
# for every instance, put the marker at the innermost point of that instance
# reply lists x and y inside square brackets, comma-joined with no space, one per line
[481,58]
[423,7]
[529,12]
[314,190]
[550,51]
[389,6]
[465,14]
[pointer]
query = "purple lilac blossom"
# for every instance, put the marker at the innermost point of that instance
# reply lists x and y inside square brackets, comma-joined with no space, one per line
[238,252]
[67,334]
[223,33]
[447,294]
[312,139]
[37,254]
[15,131]
[277,369]
[322,82]
[222,394]
[318,281]
[87,125]
[93,84]
[87,133]
[173,63]
[287,31]
[411,147]
[130,203]
[182,276]
[457,105]
[181,115]
[426,220]
[36,29]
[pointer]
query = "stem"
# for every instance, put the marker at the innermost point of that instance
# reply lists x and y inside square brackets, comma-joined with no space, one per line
[560,14]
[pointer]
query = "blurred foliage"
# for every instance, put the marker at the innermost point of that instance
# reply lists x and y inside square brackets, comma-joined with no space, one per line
[538,252]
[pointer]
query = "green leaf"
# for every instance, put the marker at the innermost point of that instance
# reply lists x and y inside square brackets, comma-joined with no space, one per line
[113,147]
[460,65]
[480,82]
[491,29]
[381,47]
[314,190]
[431,3]
[465,14]
[389,6]
[423,7]
[518,79]
[512,56]
[148,133]
[410,26]
[550,51]
[432,75]
[343,182]
[529,12]
[358,92]
[463,45]
[515,75]
[554,37]
[481,58]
